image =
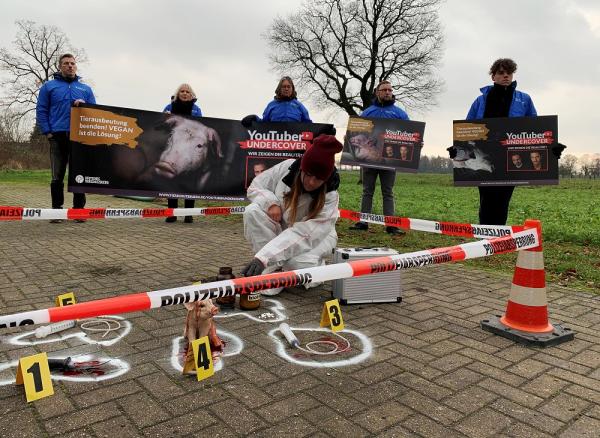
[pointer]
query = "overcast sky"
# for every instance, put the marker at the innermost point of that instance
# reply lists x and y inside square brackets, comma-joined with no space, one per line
[139,51]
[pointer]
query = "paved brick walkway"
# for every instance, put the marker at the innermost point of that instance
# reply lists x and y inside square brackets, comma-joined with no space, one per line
[432,371]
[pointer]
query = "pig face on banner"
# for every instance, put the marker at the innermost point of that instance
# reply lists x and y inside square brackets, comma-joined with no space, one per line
[191,146]
[365,147]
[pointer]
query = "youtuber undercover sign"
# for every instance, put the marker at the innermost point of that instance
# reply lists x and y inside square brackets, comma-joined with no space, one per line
[506,151]
[122,151]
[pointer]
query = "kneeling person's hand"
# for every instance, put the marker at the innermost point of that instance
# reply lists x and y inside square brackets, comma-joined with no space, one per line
[255,267]
[274,212]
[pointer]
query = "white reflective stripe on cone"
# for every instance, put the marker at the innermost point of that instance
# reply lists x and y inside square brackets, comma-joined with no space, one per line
[531,260]
[528,296]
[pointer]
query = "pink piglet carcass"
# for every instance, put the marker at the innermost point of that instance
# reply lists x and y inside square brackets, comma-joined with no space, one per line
[199,322]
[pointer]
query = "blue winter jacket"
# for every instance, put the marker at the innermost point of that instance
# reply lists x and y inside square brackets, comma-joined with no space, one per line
[521,105]
[196,112]
[388,111]
[53,110]
[286,111]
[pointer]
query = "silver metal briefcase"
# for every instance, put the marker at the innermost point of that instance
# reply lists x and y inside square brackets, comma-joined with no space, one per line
[375,288]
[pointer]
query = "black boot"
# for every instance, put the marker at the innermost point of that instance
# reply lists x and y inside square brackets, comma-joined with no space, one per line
[360,226]
[394,231]
[56,194]
[172,203]
[188,203]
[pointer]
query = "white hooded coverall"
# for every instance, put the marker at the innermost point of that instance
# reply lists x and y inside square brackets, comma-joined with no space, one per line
[280,245]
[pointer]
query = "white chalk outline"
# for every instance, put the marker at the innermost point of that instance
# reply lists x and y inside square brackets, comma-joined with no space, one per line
[235,345]
[282,350]
[120,365]
[278,309]
[126,328]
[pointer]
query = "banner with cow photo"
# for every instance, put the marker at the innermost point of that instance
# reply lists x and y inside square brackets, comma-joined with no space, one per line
[391,144]
[505,151]
[122,151]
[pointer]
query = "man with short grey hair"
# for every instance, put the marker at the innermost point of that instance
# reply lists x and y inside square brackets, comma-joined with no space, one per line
[382,108]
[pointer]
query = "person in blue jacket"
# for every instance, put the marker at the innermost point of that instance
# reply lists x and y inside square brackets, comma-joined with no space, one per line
[53,116]
[183,102]
[502,99]
[383,107]
[285,106]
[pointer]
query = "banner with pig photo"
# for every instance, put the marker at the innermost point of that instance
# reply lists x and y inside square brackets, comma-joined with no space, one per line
[122,151]
[505,151]
[383,143]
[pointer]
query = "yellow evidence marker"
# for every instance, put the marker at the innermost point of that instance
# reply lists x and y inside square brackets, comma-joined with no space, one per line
[34,373]
[203,358]
[65,299]
[332,316]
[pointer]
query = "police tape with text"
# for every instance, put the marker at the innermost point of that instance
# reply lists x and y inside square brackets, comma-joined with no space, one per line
[526,239]
[447,228]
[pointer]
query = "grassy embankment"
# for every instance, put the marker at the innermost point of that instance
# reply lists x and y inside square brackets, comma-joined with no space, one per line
[570,215]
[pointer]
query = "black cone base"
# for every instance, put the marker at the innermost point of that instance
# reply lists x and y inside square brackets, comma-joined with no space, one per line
[559,335]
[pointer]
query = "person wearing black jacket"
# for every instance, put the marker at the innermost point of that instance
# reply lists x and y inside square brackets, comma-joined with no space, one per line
[183,102]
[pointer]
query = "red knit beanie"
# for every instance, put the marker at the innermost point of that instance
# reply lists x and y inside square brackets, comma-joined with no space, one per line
[318,160]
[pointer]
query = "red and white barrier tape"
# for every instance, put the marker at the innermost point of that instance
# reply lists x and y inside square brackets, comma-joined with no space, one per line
[447,228]
[149,300]
[29,214]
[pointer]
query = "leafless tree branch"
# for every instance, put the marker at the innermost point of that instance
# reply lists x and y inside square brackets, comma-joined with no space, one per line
[339,50]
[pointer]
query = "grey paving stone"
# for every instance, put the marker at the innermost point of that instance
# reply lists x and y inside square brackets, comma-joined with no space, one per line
[471,399]
[143,410]
[118,426]
[190,423]
[382,416]
[237,417]
[428,428]
[583,427]
[81,418]
[528,416]
[20,424]
[294,405]
[431,408]
[565,407]
[484,423]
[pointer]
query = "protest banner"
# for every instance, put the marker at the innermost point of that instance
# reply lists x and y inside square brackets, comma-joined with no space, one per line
[122,151]
[505,151]
[391,144]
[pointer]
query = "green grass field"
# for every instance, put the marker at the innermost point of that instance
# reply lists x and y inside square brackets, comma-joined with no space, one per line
[570,215]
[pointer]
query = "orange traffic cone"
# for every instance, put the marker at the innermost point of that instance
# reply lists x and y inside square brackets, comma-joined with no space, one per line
[526,317]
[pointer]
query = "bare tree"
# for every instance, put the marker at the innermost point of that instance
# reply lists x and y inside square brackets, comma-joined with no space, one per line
[10,128]
[341,49]
[568,166]
[31,62]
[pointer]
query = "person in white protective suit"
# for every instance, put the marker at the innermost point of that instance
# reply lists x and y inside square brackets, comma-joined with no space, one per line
[291,221]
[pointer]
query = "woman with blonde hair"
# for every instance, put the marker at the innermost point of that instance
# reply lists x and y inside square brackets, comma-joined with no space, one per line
[183,102]
[291,220]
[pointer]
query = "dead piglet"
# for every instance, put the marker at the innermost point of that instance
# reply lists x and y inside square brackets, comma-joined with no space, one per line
[199,322]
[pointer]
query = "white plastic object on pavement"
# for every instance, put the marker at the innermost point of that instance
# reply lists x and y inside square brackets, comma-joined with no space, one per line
[42,332]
